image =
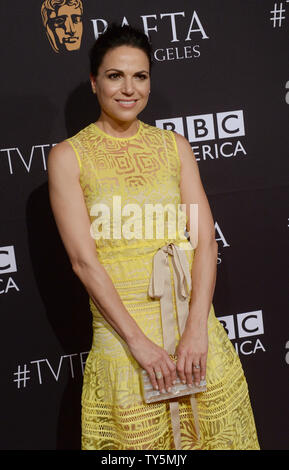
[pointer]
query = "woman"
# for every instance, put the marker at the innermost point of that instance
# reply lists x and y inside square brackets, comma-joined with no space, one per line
[121,162]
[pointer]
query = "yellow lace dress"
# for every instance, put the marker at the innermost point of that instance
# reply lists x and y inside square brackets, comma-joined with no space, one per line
[145,169]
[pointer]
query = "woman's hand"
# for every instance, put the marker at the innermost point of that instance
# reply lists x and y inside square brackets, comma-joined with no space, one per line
[191,351]
[154,359]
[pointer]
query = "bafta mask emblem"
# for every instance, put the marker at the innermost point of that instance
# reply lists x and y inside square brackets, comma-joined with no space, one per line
[62,20]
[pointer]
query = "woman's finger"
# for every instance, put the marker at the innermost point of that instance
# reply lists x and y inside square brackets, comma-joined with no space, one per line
[167,377]
[159,378]
[152,377]
[197,371]
[180,369]
[173,372]
[203,367]
[189,371]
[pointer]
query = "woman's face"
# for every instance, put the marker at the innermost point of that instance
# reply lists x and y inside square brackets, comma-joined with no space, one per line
[122,84]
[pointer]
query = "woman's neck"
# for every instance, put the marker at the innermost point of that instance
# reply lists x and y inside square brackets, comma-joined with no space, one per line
[117,128]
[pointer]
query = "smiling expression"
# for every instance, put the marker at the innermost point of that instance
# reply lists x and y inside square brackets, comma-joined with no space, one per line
[122,84]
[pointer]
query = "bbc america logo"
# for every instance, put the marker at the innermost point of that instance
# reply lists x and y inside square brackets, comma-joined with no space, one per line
[7,266]
[7,259]
[241,326]
[210,127]
[202,127]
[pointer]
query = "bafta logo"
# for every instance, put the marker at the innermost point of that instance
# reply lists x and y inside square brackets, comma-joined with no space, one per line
[62,20]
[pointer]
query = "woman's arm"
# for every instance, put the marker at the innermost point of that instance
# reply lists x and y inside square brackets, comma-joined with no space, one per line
[73,222]
[193,346]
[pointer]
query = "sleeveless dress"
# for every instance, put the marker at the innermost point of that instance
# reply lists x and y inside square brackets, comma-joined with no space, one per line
[118,175]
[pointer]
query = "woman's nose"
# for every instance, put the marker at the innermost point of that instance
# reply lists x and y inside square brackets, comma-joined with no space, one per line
[128,88]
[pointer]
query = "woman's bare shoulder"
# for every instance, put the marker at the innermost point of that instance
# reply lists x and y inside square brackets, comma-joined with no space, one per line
[181,139]
[62,158]
[184,148]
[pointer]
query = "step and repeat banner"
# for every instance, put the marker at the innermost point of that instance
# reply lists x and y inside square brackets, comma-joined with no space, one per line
[220,78]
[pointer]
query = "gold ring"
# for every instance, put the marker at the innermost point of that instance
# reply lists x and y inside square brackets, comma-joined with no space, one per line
[173,357]
[196,367]
[159,375]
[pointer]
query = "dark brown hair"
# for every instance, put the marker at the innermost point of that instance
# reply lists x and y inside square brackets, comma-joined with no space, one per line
[116,36]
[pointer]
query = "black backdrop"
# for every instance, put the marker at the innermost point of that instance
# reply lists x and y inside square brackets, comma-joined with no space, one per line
[220,77]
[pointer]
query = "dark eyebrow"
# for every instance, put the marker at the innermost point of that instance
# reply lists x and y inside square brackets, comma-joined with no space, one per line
[120,71]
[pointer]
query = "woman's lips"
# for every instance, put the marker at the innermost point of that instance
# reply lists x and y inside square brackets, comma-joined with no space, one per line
[127,103]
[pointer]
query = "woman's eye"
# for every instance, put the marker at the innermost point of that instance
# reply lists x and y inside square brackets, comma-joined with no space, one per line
[113,75]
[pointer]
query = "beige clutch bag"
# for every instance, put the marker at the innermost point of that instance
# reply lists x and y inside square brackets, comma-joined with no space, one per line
[151,395]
